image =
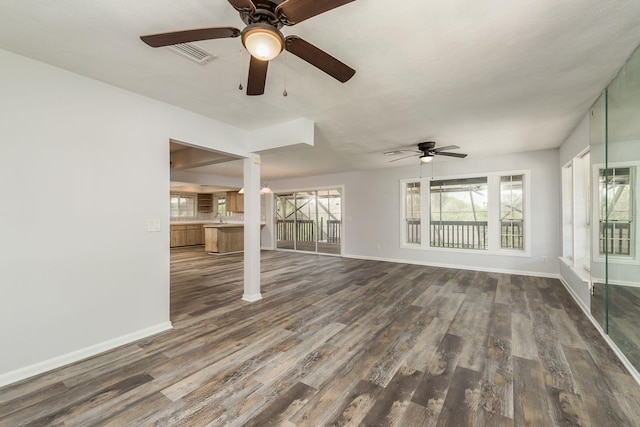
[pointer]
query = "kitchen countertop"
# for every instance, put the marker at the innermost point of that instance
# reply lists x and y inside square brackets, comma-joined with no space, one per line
[205,222]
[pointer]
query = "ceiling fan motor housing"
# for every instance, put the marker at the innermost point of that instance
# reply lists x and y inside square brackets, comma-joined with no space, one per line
[264,12]
[426,146]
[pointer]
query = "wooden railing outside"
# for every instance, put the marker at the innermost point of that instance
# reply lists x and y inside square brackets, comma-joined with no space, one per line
[413,230]
[305,230]
[459,234]
[511,234]
[618,237]
[466,234]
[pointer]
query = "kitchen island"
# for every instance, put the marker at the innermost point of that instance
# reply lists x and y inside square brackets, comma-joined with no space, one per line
[223,237]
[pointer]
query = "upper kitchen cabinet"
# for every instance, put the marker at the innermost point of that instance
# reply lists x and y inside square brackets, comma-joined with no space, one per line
[235,202]
[205,203]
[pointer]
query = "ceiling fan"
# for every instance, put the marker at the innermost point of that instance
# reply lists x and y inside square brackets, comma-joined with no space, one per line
[427,151]
[263,39]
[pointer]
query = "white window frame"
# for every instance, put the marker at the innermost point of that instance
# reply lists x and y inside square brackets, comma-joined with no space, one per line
[493,206]
[403,212]
[186,196]
[633,258]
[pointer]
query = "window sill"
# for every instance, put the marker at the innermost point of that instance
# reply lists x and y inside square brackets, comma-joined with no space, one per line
[618,260]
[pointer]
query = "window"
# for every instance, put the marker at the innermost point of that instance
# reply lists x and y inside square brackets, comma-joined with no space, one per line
[183,205]
[511,212]
[412,229]
[615,187]
[222,205]
[487,213]
[459,213]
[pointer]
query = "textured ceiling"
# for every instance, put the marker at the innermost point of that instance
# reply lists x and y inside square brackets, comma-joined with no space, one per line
[491,76]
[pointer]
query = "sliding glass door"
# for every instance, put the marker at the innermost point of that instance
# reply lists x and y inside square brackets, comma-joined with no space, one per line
[309,221]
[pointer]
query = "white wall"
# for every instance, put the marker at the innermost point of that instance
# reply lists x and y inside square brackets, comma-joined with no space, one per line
[577,141]
[372,213]
[85,165]
[575,277]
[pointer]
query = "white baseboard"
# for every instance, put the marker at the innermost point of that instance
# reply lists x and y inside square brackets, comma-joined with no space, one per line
[632,370]
[76,356]
[456,266]
[252,297]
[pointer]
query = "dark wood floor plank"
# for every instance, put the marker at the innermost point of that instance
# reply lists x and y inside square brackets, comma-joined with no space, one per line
[531,407]
[497,379]
[462,404]
[345,342]
[434,383]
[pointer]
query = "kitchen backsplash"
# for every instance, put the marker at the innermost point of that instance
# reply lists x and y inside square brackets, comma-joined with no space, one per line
[210,217]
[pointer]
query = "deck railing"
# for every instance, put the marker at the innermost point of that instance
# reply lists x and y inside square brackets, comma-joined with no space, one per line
[618,237]
[466,234]
[459,234]
[511,234]
[304,230]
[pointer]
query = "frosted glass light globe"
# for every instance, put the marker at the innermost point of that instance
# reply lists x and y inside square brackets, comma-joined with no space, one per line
[263,43]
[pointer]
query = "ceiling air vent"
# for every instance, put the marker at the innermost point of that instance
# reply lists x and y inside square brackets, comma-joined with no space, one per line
[193,52]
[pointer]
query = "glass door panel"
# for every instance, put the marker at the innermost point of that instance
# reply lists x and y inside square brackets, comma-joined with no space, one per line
[329,221]
[309,221]
[306,216]
[285,221]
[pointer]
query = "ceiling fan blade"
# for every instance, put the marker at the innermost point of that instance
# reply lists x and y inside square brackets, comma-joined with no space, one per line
[405,157]
[242,4]
[257,76]
[448,147]
[176,37]
[296,11]
[319,58]
[460,155]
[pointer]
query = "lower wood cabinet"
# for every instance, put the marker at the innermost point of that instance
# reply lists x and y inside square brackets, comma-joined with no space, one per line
[186,235]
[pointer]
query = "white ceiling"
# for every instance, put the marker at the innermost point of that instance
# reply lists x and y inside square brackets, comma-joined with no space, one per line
[491,76]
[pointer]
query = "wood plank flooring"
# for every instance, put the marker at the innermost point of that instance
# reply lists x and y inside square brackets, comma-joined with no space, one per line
[624,312]
[345,342]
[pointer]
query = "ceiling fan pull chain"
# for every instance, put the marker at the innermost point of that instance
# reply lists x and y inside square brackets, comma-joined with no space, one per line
[240,71]
[285,74]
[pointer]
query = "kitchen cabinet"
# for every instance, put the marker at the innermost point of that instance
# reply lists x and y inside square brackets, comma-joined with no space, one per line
[223,238]
[205,203]
[186,235]
[194,235]
[178,235]
[234,202]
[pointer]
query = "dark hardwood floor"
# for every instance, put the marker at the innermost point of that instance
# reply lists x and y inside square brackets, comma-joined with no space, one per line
[345,342]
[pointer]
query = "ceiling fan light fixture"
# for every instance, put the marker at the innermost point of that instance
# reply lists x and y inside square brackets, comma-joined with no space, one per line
[426,158]
[263,41]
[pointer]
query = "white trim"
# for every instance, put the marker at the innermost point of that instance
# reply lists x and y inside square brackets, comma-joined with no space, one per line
[252,297]
[633,258]
[493,212]
[456,266]
[617,282]
[501,252]
[78,355]
[632,370]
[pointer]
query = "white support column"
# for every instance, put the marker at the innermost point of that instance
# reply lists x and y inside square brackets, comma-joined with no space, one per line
[252,228]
